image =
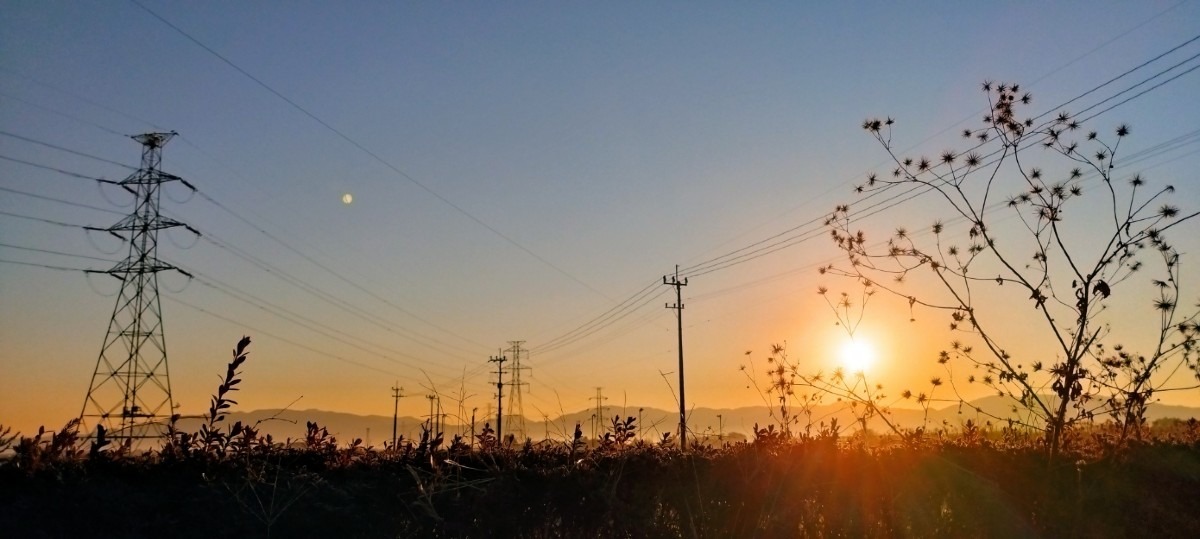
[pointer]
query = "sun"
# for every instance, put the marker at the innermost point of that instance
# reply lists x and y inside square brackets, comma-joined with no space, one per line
[857,355]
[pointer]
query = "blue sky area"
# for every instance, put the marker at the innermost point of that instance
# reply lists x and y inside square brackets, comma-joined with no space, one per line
[517,169]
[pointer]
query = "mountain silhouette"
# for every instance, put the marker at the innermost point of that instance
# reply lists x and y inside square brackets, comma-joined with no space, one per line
[739,422]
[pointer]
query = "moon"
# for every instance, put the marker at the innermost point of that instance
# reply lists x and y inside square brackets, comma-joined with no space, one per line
[347,198]
[857,356]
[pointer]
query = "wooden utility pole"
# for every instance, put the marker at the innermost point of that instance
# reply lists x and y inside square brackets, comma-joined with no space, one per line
[433,430]
[499,361]
[678,306]
[396,395]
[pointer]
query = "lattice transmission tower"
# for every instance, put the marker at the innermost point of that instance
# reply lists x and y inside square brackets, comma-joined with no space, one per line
[516,404]
[130,392]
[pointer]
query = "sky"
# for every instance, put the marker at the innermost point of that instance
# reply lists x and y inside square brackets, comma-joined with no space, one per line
[517,171]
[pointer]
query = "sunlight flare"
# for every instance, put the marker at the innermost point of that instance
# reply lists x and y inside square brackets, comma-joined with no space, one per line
[857,356]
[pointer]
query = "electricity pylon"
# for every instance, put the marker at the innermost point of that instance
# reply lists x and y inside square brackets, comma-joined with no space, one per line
[598,417]
[516,405]
[130,392]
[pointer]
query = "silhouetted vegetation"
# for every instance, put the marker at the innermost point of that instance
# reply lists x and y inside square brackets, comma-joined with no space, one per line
[973,483]
[1061,270]
[977,481]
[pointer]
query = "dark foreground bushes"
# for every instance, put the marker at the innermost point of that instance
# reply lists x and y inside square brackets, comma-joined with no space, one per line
[777,489]
[231,481]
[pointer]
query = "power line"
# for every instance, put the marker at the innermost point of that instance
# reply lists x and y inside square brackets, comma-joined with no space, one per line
[608,321]
[60,268]
[611,311]
[1144,92]
[716,263]
[1140,156]
[331,299]
[564,353]
[59,200]
[314,291]
[63,114]
[710,269]
[39,219]
[800,239]
[262,231]
[1035,81]
[1123,75]
[53,252]
[332,272]
[43,266]
[301,320]
[739,256]
[67,150]
[874,209]
[48,167]
[632,324]
[368,152]
[285,339]
[622,310]
[83,98]
[215,202]
[804,239]
[321,295]
[887,204]
[370,293]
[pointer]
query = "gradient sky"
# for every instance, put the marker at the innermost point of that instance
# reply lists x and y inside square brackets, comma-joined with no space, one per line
[577,152]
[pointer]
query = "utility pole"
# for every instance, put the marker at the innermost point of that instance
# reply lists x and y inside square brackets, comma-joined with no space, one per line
[599,415]
[441,417]
[516,406]
[432,424]
[130,391]
[499,361]
[396,395]
[678,306]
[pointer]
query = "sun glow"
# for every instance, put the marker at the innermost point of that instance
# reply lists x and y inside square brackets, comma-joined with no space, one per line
[857,356]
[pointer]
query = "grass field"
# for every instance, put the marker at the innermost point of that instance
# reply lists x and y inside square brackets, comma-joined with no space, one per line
[977,484]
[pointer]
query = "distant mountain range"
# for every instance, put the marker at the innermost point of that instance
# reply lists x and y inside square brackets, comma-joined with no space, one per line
[731,423]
